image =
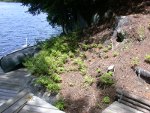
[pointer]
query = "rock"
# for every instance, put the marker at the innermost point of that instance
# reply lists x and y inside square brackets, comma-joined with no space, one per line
[121,21]
[96,19]
[108,14]
[121,35]
[111,68]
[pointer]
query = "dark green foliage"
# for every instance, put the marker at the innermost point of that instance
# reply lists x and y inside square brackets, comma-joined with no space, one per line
[49,63]
[37,65]
[147,58]
[48,83]
[106,100]
[72,14]
[60,104]
[107,79]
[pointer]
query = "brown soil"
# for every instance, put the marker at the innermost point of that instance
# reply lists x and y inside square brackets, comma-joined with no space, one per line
[82,98]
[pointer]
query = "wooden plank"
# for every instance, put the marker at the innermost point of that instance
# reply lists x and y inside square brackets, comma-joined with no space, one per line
[18,105]
[9,82]
[10,102]
[134,106]
[7,94]
[11,79]
[2,101]
[133,102]
[35,109]
[36,101]
[9,87]
[134,97]
[8,91]
[121,108]
[5,97]
[26,111]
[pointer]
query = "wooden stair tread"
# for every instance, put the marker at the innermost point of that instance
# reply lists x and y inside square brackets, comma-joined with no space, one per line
[121,108]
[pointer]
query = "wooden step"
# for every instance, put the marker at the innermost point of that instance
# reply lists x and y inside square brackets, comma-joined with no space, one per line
[117,107]
[16,103]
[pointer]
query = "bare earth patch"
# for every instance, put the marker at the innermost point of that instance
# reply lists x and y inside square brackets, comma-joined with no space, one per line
[84,98]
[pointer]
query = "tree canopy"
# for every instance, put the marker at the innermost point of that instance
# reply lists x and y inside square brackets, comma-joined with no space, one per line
[68,13]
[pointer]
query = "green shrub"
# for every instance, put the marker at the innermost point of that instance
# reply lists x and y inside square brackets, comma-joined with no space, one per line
[83,71]
[49,62]
[85,46]
[100,46]
[79,63]
[83,56]
[71,54]
[48,83]
[147,58]
[115,54]
[56,78]
[53,87]
[107,79]
[109,47]
[105,50]
[60,104]
[141,33]
[135,61]
[88,80]
[94,45]
[60,70]
[105,56]
[37,65]
[106,100]
[98,70]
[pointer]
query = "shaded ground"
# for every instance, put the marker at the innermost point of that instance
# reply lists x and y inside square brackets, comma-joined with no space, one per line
[85,98]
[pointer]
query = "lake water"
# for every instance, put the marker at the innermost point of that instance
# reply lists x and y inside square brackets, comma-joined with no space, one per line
[16,25]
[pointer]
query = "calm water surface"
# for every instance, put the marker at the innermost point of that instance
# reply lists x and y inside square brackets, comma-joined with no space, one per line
[16,25]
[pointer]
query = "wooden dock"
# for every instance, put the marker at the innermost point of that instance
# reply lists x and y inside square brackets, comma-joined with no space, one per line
[25,102]
[117,107]
[128,103]
[15,97]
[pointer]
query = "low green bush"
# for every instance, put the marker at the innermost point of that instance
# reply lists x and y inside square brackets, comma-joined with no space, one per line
[48,83]
[115,53]
[147,58]
[98,70]
[135,61]
[106,100]
[105,50]
[81,66]
[107,79]
[49,62]
[60,104]
[85,47]
[100,46]
[88,80]
[37,65]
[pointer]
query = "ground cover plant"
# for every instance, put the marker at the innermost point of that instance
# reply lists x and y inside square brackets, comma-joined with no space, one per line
[49,63]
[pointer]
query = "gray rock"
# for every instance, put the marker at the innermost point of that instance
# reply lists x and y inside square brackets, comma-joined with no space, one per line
[111,68]
[108,14]
[121,21]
